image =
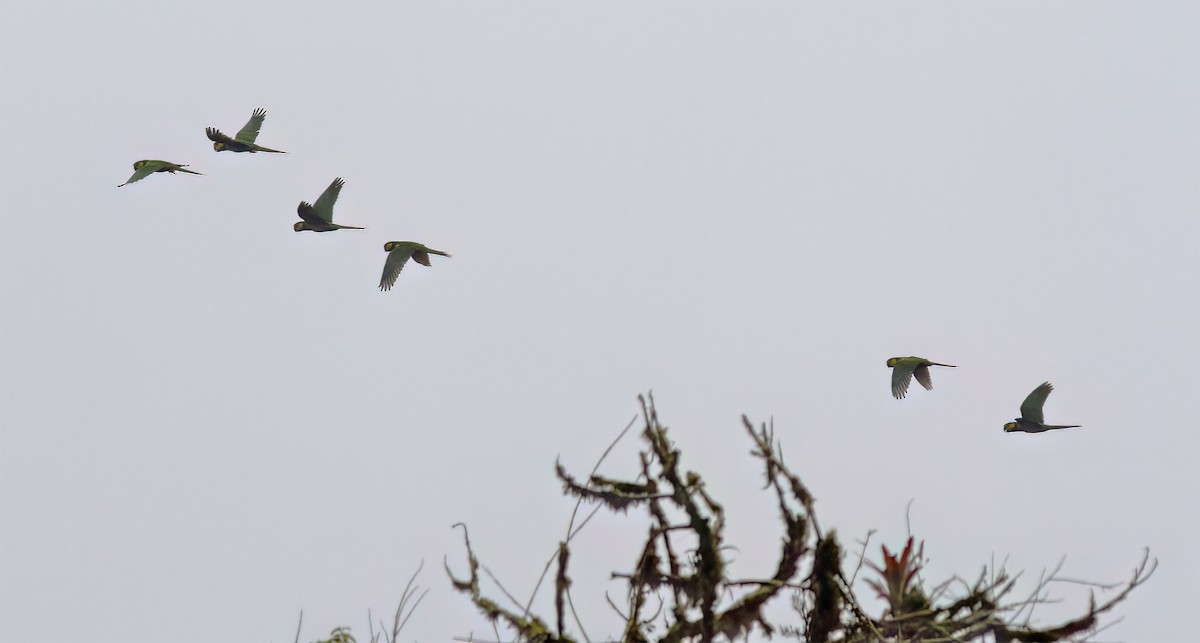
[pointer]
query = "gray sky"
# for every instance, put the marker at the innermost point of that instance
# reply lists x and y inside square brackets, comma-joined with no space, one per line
[211,421]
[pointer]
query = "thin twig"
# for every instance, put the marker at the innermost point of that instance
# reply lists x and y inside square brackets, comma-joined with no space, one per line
[575,615]
[405,596]
[862,555]
[502,589]
[1104,586]
[298,624]
[570,525]
[410,613]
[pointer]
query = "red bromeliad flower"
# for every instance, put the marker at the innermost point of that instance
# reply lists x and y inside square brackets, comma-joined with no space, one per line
[897,574]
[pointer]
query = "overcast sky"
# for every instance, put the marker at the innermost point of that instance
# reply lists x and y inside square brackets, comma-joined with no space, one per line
[211,421]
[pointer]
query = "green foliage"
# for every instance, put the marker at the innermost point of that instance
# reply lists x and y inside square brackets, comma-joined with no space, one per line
[339,635]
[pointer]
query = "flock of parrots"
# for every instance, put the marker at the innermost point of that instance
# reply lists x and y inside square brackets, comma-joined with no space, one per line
[904,369]
[317,216]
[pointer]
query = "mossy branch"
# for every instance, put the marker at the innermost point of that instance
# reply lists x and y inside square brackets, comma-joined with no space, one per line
[680,563]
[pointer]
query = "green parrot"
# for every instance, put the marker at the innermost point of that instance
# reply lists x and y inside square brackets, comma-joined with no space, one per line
[1031,413]
[244,140]
[903,370]
[143,169]
[398,254]
[319,217]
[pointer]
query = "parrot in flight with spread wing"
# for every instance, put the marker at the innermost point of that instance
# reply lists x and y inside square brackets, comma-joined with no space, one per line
[318,216]
[143,169]
[243,141]
[905,368]
[398,255]
[1031,420]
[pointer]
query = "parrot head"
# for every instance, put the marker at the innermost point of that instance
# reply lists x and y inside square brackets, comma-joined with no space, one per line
[1010,427]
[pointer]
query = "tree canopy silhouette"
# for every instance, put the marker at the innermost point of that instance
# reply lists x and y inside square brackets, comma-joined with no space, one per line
[678,587]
